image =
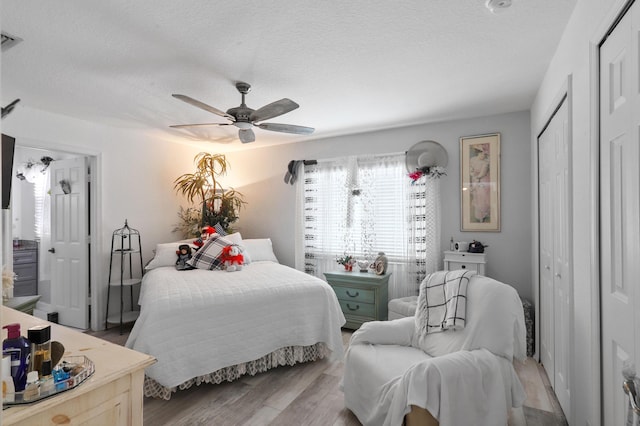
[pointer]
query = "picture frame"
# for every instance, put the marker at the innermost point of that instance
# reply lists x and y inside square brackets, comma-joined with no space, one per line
[480,183]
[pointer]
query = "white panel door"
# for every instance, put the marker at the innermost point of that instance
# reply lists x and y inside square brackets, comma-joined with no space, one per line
[547,311]
[69,241]
[555,255]
[620,210]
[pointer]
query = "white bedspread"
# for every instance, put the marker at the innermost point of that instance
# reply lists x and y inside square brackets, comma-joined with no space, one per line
[196,322]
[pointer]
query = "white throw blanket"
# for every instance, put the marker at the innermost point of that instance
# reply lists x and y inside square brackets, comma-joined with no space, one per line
[462,388]
[196,322]
[442,303]
[462,377]
[472,387]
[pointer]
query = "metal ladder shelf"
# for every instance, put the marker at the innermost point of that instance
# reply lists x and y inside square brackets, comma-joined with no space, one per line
[125,245]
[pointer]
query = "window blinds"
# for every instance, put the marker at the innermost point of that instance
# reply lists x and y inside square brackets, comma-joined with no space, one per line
[365,205]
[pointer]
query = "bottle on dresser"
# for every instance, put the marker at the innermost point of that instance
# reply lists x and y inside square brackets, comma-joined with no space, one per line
[17,347]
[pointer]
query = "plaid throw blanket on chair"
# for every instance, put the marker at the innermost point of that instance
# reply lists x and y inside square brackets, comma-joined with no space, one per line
[442,302]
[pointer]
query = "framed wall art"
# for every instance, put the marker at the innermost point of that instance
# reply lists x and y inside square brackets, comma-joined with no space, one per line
[480,183]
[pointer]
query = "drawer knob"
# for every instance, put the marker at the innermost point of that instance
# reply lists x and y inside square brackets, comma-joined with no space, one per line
[52,250]
[353,309]
[353,295]
[464,266]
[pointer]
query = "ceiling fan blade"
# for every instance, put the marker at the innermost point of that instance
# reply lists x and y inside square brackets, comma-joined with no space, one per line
[274,109]
[179,126]
[286,128]
[203,106]
[246,135]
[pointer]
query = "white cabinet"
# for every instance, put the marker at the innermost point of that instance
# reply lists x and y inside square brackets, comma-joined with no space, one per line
[462,260]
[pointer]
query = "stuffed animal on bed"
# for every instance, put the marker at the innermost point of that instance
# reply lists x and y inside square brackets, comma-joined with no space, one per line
[232,258]
[184,254]
[207,231]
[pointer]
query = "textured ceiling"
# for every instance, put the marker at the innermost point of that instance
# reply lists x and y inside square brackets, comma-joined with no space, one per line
[353,66]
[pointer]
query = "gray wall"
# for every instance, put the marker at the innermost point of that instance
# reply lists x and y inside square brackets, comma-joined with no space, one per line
[270,212]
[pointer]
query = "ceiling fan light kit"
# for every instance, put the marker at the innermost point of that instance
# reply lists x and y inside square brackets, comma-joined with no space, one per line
[244,118]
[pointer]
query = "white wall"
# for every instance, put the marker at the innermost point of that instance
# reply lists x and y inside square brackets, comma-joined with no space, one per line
[576,57]
[270,212]
[136,174]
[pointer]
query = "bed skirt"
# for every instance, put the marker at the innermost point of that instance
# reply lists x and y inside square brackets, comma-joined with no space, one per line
[289,355]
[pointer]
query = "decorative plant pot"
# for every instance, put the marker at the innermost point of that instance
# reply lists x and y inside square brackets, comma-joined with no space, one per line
[348,267]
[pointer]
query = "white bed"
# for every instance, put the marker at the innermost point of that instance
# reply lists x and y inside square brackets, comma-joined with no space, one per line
[214,326]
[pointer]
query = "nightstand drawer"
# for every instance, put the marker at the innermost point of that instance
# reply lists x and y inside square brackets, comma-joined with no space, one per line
[357,308]
[459,265]
[462,260]
[464,257]
[25,256]
[354,294]
[362,296]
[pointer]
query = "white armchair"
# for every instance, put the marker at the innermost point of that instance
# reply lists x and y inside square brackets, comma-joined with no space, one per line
[460,377]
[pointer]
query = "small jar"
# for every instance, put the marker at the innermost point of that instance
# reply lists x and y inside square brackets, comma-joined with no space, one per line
[32,390]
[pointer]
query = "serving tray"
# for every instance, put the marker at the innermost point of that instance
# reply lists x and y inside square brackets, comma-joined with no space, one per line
[85,369]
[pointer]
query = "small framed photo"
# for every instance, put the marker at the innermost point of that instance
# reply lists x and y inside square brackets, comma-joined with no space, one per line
[480,183]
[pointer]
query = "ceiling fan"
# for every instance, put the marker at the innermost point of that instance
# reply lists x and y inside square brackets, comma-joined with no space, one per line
[244,118]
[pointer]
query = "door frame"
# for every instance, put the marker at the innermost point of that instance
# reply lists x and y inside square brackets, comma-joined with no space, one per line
[607,25]
[96,276]
[564,94]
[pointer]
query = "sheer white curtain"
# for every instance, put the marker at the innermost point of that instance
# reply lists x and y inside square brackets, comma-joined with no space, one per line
[364,205]
[424,222]
[43,219]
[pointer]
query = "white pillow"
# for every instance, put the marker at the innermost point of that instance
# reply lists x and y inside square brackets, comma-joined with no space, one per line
[258,249]
[235,238]
[166,254]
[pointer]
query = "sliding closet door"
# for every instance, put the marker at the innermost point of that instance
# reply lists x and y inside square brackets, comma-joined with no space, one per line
[555,253]
[619,210]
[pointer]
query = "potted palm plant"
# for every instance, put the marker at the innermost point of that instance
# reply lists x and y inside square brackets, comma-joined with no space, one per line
[216,204]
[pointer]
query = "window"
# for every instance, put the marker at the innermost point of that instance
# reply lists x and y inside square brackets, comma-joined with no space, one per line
[367,204]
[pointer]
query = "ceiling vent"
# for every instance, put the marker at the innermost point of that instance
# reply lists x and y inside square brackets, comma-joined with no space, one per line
[8,41]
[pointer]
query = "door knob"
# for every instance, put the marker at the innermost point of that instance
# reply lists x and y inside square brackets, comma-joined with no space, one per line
[52,250]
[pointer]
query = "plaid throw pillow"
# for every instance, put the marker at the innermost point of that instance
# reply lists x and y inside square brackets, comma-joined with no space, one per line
[209,255]
[220,230]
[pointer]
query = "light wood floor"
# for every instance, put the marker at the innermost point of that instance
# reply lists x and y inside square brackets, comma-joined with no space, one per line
[308,394]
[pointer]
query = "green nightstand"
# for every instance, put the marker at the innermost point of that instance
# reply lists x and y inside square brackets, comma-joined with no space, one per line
[362,296]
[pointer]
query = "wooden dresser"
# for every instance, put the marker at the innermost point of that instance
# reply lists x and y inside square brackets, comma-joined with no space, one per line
[113,395]
[362,296]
